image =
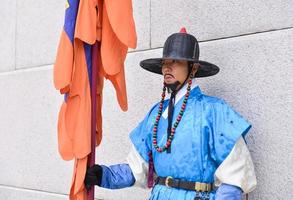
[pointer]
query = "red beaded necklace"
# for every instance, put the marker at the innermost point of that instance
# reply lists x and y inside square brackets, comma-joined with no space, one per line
[178,119]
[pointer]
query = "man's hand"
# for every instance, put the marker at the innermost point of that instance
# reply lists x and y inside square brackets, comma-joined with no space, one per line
[93,176]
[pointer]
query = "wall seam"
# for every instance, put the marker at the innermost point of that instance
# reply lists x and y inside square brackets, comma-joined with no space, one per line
[31,189]
[32,69]
[222,38]
[247,34]
[35,191]
[144,50]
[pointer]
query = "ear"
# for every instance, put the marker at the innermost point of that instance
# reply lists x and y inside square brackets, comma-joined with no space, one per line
[195,68]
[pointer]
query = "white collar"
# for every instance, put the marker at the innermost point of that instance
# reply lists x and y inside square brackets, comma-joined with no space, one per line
[179,95]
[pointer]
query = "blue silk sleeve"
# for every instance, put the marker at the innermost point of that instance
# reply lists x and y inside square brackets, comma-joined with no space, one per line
[226,191]
[227,126]
[141,136]
[117,176]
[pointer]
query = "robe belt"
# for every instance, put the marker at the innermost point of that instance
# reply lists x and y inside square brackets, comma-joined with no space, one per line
[186,185]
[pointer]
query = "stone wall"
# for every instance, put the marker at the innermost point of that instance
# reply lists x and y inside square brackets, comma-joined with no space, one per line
[250,40]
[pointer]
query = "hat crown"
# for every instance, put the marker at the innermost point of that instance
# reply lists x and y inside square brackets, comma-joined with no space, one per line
[181,46]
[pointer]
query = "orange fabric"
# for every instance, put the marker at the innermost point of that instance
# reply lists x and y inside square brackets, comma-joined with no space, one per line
[64,142]
[78,112]
[74,136]
[63,67]
[85,28]
[99,99]
[73,126]
[77,190]
[112,60]
[118,80]
[122,22]
[114,27]
[71,76]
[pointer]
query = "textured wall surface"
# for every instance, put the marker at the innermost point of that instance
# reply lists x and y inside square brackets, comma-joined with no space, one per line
[7,35]
[209,19]
[251,41]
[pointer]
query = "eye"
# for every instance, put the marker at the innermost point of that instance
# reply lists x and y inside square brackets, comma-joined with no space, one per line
[181,62]
[167,62]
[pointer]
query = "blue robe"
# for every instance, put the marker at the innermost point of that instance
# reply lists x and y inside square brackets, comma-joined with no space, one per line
[208,130]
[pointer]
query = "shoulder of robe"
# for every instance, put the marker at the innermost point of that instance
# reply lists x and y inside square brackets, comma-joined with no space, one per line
[212,100]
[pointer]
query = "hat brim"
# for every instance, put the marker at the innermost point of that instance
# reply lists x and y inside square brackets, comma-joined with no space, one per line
[155,65]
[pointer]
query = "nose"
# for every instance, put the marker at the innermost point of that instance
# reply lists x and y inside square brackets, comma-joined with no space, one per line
[166,69]
[168,66]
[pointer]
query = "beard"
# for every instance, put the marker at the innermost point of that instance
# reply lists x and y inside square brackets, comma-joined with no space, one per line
[172,86]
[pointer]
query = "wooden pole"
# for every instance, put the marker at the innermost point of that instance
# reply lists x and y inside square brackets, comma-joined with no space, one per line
[91,160]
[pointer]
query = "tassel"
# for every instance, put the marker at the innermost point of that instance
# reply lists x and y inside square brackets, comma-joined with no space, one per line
[151,170]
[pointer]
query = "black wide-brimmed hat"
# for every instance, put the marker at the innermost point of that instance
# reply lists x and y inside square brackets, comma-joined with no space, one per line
[181,46]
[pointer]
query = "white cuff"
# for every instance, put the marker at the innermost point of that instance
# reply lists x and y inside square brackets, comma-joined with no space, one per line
[139,168]
[237,169]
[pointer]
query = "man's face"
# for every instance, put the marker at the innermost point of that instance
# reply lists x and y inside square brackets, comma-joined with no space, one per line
[174,70]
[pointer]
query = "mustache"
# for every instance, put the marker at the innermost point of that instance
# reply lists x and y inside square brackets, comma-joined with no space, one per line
[169,75]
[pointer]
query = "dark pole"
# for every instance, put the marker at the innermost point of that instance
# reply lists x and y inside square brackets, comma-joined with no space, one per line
[91,159]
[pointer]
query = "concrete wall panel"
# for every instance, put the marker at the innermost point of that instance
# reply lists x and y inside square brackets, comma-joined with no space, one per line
[143,90]
[141,16]
[28,122]
[255,80]
[254,72]
[24,194]
[7,35]
[217,19]
[39,25]
[37,46]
